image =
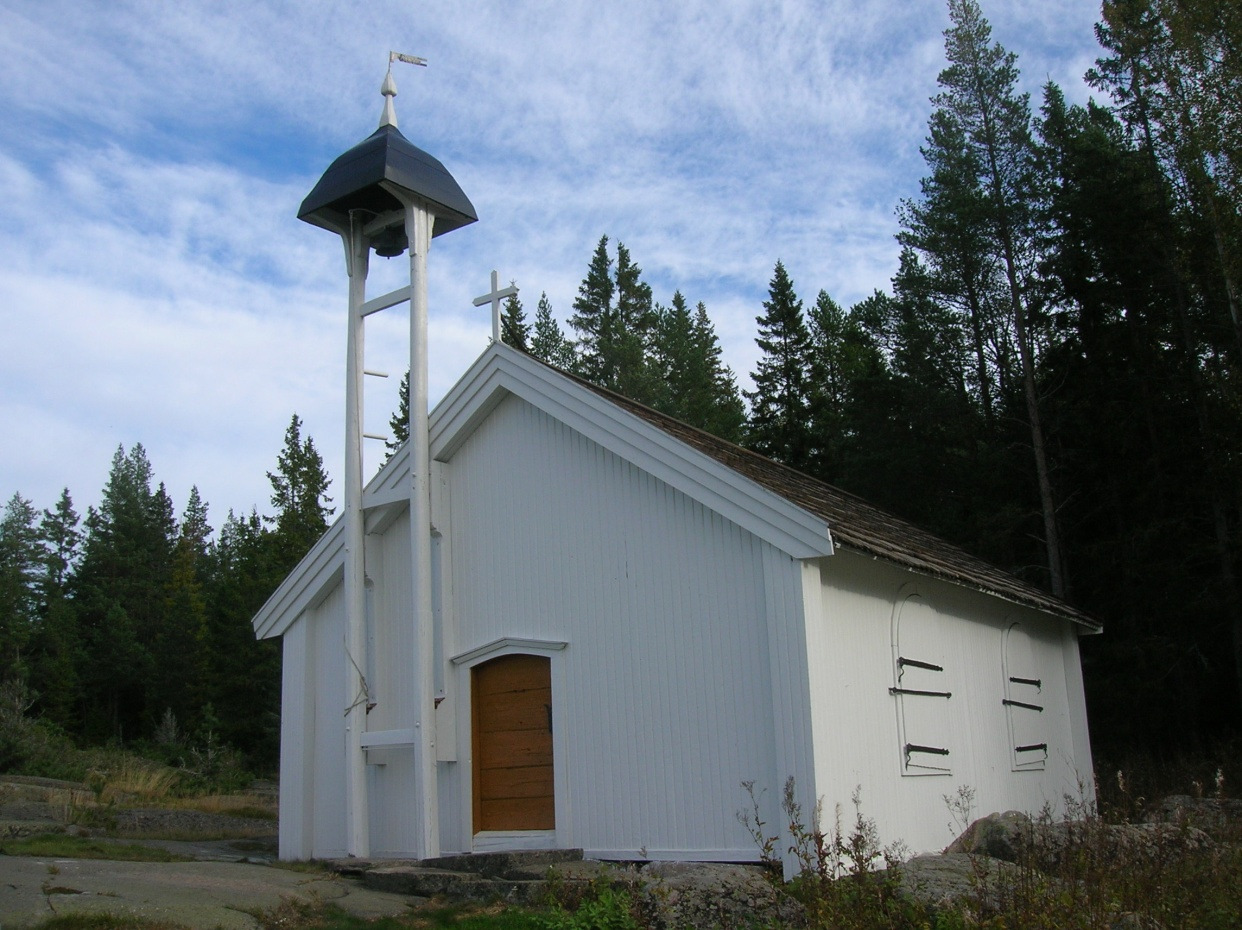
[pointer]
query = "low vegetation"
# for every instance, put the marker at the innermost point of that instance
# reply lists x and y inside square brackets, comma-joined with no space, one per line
[846,879]
[60,846]
[1102,869]
[186,774]
[1081,873]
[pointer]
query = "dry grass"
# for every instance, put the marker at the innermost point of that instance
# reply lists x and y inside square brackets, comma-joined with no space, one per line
[124,778]
[245,804]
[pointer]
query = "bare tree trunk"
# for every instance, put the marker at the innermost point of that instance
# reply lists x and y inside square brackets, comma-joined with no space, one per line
[1030,392]
[981,362]
[1231,290]
[1043,477]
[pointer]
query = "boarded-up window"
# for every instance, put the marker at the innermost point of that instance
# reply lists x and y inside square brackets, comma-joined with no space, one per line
[1024,701]
[921,689]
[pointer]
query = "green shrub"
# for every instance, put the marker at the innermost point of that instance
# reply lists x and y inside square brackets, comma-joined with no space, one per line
[607,909]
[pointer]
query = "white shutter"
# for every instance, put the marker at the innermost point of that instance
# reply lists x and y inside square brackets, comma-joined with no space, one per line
[921,688]
[1024,702]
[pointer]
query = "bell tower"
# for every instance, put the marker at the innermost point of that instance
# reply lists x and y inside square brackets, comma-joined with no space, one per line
[388,196]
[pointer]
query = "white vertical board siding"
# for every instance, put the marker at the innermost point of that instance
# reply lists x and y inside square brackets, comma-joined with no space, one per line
[325,703]
[661,700]
[390,772]
[297,744]
[857,722]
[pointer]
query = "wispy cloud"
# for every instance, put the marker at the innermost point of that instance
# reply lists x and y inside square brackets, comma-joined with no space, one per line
[155,285]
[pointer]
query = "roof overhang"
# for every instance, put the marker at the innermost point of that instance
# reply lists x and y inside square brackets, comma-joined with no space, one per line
[502,372]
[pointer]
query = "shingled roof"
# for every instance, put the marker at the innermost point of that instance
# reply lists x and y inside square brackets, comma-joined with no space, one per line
[854,523]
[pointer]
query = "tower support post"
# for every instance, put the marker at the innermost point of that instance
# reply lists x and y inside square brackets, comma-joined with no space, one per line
[357,818]
[418,227]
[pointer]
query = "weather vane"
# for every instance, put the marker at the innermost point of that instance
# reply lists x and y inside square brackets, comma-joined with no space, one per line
[389,87]
[408,59]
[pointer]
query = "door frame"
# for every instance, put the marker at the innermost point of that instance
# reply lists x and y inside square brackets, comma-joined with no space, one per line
[463,665]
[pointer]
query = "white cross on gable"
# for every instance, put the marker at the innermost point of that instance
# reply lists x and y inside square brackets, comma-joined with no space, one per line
[494,298]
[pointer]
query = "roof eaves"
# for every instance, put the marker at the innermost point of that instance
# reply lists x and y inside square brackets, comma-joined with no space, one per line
[857,524]
[304,585]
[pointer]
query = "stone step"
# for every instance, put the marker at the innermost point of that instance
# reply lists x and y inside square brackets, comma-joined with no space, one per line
[516,864]
[466,886]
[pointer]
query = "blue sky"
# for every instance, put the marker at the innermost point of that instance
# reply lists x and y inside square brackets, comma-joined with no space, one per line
[157,287]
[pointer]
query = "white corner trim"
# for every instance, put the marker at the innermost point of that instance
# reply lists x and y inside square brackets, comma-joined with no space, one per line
[507,646]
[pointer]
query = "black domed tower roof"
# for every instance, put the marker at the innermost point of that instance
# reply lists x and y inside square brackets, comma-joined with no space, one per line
[353,181]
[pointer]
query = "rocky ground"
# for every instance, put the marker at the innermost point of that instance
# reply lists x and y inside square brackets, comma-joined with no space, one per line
[231,878]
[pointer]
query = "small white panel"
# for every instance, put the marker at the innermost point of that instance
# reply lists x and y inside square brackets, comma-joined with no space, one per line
[388,738]
[446,730]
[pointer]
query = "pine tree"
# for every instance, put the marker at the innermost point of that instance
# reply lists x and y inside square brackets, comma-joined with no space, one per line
[594,319]
[299,494]
[829,389]
[981,132]
[120,590]
[724,414]
[950,227]
[243,673]
[399,422]
[697,387]
[1132,402]
[678,364]
[872,457]
[615,319]
[179,650]
[56,649]
[780,404]
[514,330]
[62,538]
[1175,73]
[21,558]
[630,372]
[548,343]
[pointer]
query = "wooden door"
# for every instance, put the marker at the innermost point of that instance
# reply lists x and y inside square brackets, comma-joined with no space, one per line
[511,710]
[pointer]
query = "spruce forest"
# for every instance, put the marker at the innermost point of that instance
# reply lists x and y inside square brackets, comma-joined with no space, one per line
[1052,381]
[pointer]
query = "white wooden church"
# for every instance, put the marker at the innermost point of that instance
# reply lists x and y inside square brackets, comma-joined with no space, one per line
[621,619]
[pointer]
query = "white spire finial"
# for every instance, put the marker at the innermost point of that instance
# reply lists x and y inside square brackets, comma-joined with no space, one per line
[389,87]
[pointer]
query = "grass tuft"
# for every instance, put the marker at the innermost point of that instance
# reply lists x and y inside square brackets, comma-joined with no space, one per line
[105,922]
